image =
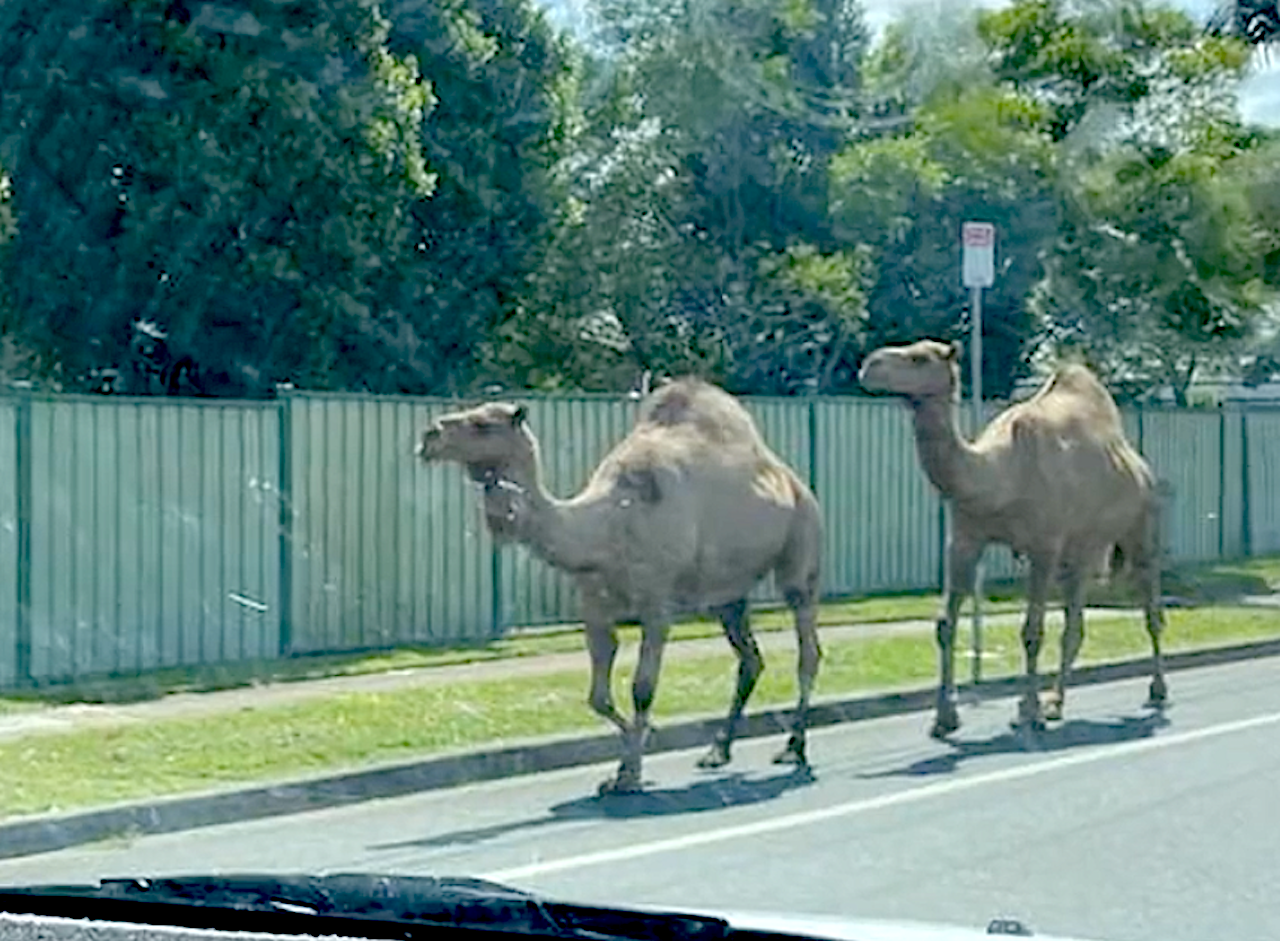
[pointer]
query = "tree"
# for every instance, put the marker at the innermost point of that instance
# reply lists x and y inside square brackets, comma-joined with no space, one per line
[238,176]
[700,180]
[508,110]
[972,151]
[1257,21]
[1155,273]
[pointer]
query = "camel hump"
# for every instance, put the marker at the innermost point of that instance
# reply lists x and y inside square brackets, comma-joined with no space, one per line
[1075,397]
[701,407]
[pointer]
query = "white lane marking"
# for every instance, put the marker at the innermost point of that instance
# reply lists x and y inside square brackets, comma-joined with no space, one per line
[867,804]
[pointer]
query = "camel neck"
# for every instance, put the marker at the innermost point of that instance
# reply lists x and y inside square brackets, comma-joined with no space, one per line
[950,462]
[557,531]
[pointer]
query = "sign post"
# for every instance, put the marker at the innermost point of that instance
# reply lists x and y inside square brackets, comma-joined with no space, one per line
[979,271]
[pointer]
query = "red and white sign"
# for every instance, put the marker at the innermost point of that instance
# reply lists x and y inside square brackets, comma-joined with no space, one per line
[979,241]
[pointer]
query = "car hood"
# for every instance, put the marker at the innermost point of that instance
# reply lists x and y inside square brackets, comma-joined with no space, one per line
[838,928]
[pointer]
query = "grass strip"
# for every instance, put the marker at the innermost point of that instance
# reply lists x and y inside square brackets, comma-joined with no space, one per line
[65,771]
[1218,582]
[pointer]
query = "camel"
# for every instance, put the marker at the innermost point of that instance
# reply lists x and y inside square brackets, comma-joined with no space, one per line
[1053,478]
[687,513]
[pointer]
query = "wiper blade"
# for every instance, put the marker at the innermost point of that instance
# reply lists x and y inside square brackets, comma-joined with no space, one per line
[376,905]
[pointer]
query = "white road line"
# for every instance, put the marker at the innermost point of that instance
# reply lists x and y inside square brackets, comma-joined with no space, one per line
[865,805]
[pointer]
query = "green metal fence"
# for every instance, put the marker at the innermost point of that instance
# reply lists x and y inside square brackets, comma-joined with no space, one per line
[144,533]
[150,534]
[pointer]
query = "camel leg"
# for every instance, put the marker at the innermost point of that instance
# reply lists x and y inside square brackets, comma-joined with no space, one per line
[602,648]
[962,565]
[1072,639]
[1032,634]
[737,629]
[809,655]
[653,639]
[1147,571]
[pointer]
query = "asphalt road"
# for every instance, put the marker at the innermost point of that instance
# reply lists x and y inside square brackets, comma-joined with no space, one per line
[1118,824]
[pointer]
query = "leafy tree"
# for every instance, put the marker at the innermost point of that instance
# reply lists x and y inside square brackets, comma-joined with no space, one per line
[239,175]
[700,179]
[1257,21]
[1156,271]
[508,110]
[973,152]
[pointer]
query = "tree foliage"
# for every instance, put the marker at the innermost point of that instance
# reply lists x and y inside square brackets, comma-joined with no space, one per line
[430,196]
[239,175]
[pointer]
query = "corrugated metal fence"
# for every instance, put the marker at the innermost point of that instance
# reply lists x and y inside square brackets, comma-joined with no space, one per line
[137,534]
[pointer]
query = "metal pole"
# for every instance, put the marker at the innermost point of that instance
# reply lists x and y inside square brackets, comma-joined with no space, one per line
[975,363]
[22,452]
[284,519]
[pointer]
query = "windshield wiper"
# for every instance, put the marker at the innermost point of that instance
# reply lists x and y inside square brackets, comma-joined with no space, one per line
[371,906]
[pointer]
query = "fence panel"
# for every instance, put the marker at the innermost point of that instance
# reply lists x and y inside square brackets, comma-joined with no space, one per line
[153,535]
[884,521]
[384,550]
[1264,481]
[1184,449]
[8,544]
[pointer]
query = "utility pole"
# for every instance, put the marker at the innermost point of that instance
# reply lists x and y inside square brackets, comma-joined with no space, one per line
[978,271]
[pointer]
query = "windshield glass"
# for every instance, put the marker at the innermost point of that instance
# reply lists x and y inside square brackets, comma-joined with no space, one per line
[794,457]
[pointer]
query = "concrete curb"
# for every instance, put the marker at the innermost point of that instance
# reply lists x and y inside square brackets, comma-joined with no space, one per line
[28,836]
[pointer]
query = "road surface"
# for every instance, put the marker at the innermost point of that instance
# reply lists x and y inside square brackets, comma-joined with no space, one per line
[1119,824]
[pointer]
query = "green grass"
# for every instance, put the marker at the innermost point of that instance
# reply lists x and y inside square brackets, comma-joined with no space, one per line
[553,640]
[69,770]
[1214,583]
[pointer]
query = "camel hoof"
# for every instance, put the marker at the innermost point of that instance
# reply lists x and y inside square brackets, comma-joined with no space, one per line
[622,784]
[716,757]
[1029,716]
[946,721]
[1053,709]
[1158,695]
[793,754]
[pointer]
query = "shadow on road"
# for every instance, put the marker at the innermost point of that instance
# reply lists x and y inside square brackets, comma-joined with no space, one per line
[732,790]
[1073,733]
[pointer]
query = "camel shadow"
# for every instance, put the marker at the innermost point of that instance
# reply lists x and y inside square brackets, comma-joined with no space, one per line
[719,793]
[1074,733]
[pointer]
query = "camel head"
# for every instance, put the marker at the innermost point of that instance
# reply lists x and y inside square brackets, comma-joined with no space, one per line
[496,447]
[917,370]
[489,437]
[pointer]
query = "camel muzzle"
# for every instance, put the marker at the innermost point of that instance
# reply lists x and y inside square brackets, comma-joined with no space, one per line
[427,445]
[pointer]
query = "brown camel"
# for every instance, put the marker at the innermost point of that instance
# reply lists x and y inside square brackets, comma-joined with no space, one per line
[686,514]
[1051,477]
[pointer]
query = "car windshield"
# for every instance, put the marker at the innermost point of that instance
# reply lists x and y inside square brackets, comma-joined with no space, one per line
[806,460]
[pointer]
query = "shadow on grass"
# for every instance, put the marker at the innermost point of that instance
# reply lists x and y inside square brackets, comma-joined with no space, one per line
[1074,733]
[718,793]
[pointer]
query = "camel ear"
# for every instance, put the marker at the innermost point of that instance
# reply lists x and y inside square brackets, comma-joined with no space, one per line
[953,351]
[518,416]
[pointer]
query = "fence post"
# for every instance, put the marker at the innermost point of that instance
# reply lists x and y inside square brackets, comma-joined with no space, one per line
[1246,515]
[813,447]
[22,453]
[499,622]
[284,521]
[1222,483]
